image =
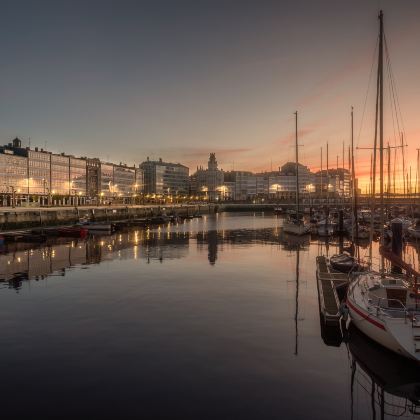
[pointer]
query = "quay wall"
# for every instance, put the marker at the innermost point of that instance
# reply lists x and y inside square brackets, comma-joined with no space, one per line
[27,218]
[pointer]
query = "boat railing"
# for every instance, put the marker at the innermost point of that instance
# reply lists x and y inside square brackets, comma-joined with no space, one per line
[392,308]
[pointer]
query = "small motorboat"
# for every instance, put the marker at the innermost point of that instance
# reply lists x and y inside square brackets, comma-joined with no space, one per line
[98,227]
[296,226]
[73,232]
[345,263]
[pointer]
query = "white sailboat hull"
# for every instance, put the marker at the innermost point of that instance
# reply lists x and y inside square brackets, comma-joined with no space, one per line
[373,328]
[396,334]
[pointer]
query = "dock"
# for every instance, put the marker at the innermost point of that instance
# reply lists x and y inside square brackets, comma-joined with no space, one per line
[328,280]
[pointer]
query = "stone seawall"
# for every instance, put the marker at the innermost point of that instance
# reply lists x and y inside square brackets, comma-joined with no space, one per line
[20,218]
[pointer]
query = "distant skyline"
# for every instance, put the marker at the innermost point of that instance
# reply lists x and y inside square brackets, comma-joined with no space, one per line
[123,80]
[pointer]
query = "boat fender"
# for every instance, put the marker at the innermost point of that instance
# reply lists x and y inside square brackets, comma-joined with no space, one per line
[344,310]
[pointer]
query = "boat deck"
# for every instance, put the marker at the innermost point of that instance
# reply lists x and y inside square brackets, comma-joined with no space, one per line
[328,280]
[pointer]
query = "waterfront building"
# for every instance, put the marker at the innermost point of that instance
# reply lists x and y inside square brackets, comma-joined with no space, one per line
[165,178]
[106,179]
[13,176]
[208,182]
[334,181]
[245,185]
[41,177]
[124,180]
[281,184]
[139,181]
[60,175]
[77,185]
[38,172]
[93,174]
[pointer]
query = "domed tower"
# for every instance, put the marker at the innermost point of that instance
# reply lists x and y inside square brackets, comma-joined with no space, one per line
[212,165]
[214,178]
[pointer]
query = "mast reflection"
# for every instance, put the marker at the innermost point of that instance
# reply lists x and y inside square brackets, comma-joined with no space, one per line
[390,383]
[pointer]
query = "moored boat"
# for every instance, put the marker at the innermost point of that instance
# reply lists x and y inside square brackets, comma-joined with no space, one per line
[295,224]
[384,306]
[344,263]
[387,310]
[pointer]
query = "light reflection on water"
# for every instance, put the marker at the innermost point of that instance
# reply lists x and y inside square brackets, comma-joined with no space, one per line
[212,318]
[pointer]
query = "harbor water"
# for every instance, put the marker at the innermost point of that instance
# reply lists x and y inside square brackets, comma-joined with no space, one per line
[212,318]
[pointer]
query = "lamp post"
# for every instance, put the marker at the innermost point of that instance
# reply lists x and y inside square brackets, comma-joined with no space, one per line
[44,183]
[28,186]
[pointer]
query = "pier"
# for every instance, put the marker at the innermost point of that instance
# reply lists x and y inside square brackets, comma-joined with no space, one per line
[328,280]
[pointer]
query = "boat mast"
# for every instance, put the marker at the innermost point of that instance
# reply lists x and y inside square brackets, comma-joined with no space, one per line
[297,165]
[328,184]
[343,190]
[322,187]
[403,162]
[375,149]
[388,189]
[355,229]
[418,176]
[297,302]
[381,125]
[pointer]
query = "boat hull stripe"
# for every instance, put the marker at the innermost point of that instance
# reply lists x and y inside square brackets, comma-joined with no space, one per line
[365,316]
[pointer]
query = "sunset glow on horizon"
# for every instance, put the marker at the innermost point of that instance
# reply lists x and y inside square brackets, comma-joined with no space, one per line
[185,80]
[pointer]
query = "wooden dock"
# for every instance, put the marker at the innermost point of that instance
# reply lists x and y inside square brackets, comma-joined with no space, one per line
[328,280]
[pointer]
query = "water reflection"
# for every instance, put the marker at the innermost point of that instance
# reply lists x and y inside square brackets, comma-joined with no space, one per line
[19,262]
[223,322]
[389,384]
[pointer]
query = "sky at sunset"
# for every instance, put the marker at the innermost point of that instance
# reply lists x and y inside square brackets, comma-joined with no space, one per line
[123,80]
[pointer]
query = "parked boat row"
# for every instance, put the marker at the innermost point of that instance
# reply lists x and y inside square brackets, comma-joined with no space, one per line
[86,227]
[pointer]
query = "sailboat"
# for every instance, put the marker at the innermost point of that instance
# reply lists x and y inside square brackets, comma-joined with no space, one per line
[295,224]
[385,306]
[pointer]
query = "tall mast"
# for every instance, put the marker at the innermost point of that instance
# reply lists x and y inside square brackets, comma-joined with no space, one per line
[322,185]
[354,183]
[388,189]
[418,175]
[403,162]
[343,173]
[328,190]
[297,165]
[381,124]
[393,171]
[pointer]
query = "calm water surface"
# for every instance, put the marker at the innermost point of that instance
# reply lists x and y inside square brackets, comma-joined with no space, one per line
[215,318]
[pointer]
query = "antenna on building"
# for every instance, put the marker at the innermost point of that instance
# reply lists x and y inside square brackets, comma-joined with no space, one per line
[29,139]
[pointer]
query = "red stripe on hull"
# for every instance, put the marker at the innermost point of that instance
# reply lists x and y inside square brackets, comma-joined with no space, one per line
[366,317]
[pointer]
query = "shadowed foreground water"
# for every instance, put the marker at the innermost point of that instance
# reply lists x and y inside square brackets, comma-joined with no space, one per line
[214,318]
